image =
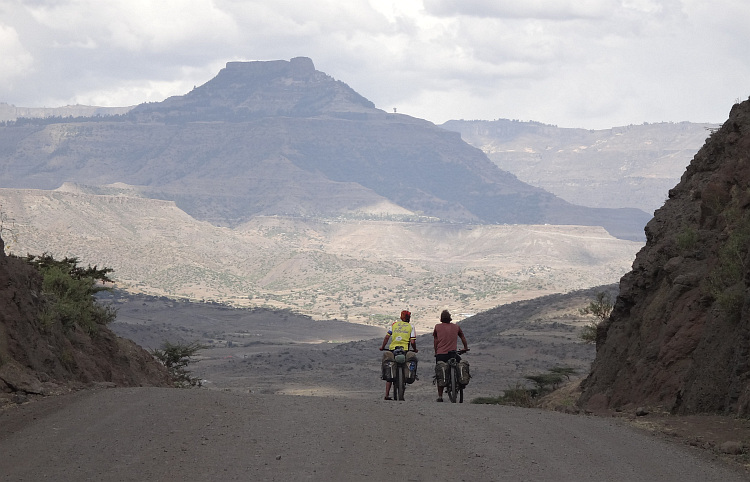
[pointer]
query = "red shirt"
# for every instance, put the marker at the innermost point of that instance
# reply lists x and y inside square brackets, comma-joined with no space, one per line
[446,335]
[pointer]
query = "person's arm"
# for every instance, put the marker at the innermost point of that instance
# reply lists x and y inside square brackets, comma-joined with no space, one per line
[435,339]
[413,339]
[385,341]
[463,339]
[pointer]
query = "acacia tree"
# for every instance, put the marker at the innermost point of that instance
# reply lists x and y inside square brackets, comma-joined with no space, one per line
[176,357]
[69,293]
[601,308]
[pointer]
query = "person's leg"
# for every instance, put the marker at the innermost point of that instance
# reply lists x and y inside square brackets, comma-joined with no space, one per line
[440,358]
[387,356]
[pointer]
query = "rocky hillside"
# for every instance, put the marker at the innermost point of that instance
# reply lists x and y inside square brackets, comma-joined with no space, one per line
[281,138]
[44,358]
[679,334]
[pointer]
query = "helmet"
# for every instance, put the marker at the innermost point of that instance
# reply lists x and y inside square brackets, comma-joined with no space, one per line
[405,315]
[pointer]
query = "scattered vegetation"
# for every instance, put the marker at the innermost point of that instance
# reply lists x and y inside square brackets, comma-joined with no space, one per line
[69,290]
[687,239]
[521,395]
[601,308]
[177,357]
[726,281]
[517,396]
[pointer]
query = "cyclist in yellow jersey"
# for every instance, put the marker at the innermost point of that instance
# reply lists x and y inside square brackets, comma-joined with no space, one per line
[401,334]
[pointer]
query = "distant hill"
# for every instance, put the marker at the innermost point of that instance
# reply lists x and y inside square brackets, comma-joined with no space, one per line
[358,268]
[10,112]
[632,166]
[281,138]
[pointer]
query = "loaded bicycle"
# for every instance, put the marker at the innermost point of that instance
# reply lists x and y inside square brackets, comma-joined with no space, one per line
[453,375]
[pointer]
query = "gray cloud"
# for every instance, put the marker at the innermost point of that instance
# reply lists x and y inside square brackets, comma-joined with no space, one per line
[584,63]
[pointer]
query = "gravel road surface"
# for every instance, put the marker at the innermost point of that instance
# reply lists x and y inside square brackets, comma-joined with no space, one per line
[204,435]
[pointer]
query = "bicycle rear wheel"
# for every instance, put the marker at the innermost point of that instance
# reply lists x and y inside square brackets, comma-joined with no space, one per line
[399,384]
[453,384]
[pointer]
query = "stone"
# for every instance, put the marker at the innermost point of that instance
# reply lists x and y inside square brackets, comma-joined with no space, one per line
[732,448]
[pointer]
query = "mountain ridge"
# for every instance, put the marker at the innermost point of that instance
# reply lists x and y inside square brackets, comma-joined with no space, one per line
[283,138]
[631,166]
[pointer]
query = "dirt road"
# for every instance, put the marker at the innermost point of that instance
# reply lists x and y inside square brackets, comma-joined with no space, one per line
[201,435]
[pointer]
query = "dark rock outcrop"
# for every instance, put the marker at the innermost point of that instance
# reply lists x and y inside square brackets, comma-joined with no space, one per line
[38,359]
[679,335]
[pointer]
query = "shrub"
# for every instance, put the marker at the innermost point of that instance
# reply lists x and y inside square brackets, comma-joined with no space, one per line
[563,371]
[69,291]
[520,395]
[176,357]
[545,382]
[726,280]
[601,308]
[687,239]
[516,396]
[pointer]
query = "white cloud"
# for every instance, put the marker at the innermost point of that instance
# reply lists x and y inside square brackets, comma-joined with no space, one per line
[16,60]
[134,25]
[578,63]
[547,9]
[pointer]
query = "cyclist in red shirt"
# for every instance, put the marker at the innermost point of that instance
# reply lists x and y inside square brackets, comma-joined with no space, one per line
[445,338]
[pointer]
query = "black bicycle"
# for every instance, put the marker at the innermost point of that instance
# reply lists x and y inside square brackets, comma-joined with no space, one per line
[404,373]
[453,385]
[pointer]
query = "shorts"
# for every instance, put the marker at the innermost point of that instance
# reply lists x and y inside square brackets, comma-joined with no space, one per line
[444,357]
[388,356]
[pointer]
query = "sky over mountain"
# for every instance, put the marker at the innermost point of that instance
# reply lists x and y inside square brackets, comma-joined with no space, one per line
[573,63]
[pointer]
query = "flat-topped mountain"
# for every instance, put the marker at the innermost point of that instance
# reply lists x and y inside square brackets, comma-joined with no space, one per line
[266,138]
[251,90]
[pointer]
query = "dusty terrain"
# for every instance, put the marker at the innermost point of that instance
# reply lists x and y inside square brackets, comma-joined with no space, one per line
[253,354]
[170,434]
[359,270]
[255,416]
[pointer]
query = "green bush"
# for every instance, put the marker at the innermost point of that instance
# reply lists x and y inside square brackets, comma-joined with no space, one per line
[726,280]
[687,239]
[516,396]
[545,382]
[69,291]
[601,308]
[176,357]
[520,395]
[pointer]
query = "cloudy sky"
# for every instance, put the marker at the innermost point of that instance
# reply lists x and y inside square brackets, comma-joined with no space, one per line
[572,63]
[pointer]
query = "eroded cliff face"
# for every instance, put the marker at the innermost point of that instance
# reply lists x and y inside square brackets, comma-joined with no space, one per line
[679,335]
